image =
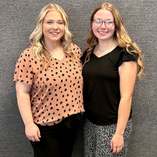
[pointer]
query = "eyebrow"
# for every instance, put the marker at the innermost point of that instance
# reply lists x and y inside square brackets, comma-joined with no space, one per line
[102,20]
[52,20]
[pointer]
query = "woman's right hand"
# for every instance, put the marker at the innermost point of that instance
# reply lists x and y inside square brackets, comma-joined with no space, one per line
[32,132]
[23,98]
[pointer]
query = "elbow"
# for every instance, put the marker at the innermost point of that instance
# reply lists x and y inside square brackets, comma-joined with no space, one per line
[127,99]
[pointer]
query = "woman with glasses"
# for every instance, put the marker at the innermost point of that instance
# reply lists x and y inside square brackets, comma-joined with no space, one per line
[111,64]
[48,78]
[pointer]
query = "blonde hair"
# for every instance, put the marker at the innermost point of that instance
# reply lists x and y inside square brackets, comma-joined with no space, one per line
[37,39]
[120,35]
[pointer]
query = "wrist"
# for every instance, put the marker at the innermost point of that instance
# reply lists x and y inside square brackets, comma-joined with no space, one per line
[29,123]
[119,133]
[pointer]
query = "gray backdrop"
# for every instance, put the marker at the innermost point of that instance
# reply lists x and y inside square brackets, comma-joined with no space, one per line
[18,20]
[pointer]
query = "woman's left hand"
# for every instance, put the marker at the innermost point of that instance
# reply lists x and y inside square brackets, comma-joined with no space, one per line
[117,143]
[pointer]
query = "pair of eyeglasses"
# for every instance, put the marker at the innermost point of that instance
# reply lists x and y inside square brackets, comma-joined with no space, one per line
[99,23]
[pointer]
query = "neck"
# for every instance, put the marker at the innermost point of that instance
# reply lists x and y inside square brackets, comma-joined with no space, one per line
[105,45]
[52,46]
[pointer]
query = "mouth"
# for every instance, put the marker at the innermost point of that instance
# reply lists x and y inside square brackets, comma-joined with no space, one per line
[103,32]
[54,33]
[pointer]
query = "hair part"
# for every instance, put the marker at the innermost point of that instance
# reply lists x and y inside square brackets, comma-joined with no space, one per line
[37,38]
[120,35]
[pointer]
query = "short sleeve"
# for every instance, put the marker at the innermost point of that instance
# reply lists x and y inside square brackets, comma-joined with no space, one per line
[23,68]
[126,57]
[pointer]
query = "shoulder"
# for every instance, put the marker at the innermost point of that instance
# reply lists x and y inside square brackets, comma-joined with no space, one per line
[116,51]
[27,53]
[75,49]
[26,56]
[84,56]
[125,56]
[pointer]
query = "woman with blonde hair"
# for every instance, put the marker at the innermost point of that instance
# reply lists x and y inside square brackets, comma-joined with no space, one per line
[48,78]
[111,64]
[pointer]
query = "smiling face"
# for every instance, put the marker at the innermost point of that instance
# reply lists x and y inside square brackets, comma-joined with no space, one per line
[53,27]
[102,32]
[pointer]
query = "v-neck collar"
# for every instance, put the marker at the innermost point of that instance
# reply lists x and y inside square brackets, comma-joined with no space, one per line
[104,54]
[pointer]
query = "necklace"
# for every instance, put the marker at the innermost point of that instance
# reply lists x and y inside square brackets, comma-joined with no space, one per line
[107,48]
[53,52]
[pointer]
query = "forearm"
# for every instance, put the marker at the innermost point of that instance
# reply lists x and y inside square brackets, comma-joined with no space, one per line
[123,114]
[24,105]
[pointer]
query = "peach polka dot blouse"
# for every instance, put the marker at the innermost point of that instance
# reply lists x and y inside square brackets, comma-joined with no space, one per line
[57,91]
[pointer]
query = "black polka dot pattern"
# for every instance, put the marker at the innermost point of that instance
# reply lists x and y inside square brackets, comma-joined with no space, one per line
[57,91]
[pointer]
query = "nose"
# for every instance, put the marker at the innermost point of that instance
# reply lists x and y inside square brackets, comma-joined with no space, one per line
[103,25]
[55,25]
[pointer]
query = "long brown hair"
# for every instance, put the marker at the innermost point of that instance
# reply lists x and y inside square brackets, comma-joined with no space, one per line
[120,35]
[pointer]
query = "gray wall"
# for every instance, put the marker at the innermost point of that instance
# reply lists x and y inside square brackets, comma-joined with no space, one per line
[17,21]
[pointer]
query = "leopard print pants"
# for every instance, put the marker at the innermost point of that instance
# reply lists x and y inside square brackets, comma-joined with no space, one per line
[97,140]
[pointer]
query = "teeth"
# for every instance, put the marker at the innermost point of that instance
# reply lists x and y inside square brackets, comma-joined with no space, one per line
[54,33]
[102,32]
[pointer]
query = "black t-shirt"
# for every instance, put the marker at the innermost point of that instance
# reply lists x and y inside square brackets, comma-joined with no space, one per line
[101,85]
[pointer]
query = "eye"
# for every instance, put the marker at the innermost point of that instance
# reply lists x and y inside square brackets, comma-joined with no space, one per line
[49,22]
[98,21]
[108,21]
[60,22]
